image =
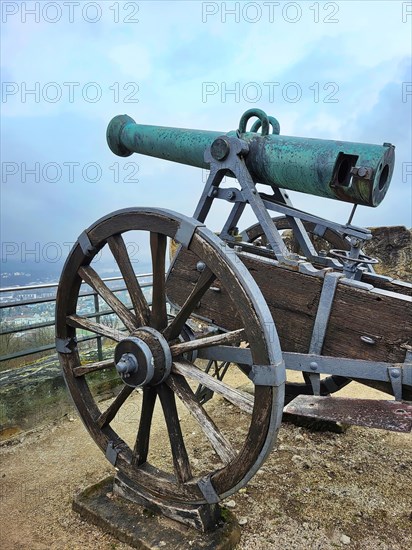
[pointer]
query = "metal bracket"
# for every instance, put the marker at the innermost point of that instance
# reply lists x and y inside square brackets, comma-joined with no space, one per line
[314,379]
[186,230]
[267,375]
[395,377]
[227,156]
[308,269]
[230,194]
[407,368]
[111,453]
[330,282]
[66,345]
[85,244]
[208,491]
[233,162]
[319,230]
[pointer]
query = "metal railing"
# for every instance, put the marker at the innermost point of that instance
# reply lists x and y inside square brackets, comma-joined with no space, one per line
[97,313]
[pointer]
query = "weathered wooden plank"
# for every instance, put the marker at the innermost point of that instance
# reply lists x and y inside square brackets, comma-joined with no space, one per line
[237,397]
[89,275]
[218,441]
[233,337]
[293,300]
[399,287]
[119,251]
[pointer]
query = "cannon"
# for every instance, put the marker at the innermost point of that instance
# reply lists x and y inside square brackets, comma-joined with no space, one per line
[240,307]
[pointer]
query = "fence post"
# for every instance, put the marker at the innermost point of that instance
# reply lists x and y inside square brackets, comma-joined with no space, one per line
[98,338]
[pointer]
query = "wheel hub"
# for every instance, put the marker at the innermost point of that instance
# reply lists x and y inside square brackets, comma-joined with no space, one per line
[143,358]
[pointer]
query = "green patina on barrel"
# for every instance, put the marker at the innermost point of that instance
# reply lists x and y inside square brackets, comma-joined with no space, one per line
[347,171]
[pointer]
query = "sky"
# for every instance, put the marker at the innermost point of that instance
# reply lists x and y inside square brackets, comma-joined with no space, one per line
[330,70]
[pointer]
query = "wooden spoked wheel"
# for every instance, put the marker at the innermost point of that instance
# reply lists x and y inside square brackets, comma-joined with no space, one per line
[150,355]
[255,234]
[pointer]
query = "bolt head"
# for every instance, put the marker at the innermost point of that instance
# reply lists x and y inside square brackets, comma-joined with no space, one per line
[127,364]
[368,340]
[220,148]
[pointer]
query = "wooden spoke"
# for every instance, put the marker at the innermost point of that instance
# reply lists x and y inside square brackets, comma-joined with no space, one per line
[232,337]
[119,251]
[78,321]
[180,458]
[237,397]
[205,280]
[220,444]
[89,275]
[158,244]
[92,367]
[108,415]
[141,447]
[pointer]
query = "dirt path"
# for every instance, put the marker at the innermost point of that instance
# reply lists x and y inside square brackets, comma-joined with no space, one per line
[316,491]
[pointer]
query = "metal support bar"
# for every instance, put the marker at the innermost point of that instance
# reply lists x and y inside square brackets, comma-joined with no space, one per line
[330,283]
[302,237]
[227,232]
[341,366]
[99,338]
[359,232]
[272,234]
[209,193]
[296,224]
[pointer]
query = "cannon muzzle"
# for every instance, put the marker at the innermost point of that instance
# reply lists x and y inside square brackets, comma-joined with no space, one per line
[359,173]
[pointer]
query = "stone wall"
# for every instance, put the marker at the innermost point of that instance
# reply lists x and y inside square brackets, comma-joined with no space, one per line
[393,247]
[35,395]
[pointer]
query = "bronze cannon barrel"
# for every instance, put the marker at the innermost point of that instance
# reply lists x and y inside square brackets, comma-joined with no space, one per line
[347,171]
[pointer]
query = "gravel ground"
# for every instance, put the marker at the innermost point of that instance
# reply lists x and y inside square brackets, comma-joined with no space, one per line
[317,490]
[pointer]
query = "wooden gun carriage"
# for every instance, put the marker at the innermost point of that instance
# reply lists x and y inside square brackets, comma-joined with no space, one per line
[267,310]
